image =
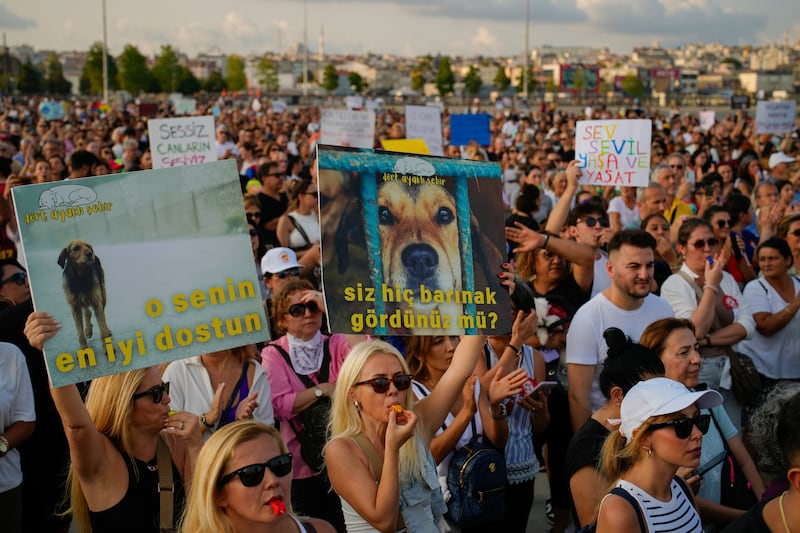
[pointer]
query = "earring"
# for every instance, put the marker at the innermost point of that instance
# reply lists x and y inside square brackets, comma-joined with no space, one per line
[358,405]
[648,450]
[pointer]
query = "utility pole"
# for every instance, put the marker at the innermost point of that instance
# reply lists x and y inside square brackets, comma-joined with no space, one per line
[527,49]
[105,56]
[5,65]
[305,47]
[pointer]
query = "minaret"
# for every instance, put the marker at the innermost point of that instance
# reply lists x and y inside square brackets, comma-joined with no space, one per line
[321,43]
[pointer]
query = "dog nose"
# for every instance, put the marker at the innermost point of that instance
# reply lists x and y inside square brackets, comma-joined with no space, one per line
[420,260]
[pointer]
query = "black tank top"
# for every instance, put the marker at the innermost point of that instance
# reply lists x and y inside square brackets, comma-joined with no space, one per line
[138,510]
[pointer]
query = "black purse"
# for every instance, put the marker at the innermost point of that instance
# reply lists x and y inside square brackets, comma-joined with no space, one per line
[735,490]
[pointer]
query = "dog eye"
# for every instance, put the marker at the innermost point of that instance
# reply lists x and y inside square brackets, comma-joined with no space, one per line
[384,215]
[444,215]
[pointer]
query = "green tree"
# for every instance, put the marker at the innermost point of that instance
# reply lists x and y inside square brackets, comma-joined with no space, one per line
[30,80]
[134,74]
[472,81]
[417,79]
[330,78]
[55,82]
[445,79]
[632,86]
[215,82]
[236,78]
[421,72]
[733,61]
[501,79]
[187,82]
[357,83]
[167,68]
[93,71]
[267,75]
[532,83]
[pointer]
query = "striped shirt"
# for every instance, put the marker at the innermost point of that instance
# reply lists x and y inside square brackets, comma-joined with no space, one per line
[678,515]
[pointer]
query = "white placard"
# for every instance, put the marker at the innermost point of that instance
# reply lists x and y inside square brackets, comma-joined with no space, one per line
[613,152]
[181,141]
[425,122]
[354,102]
[342,127]
[775,117]
[707,119]
[185,106]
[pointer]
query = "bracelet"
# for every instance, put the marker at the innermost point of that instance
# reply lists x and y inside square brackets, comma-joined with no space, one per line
[503,412]
[205,422]
[711,287]
[546,240]
[516,350]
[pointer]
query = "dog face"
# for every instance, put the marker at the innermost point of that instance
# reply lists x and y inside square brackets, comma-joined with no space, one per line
[418,230]
[76,253]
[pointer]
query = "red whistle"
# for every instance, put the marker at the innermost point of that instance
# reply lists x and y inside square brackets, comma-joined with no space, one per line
[278,507]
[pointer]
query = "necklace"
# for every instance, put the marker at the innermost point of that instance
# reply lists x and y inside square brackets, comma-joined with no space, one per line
[152,467]
[783,513]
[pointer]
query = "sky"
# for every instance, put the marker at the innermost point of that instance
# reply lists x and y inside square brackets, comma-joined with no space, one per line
[400,27]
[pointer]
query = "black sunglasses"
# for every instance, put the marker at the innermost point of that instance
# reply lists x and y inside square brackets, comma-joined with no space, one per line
[17,277]
[699,245]
[593,221]
[381,384]
[723,223]
[252,475]
[294,272]
[683,426]
[298,310]
[157,392]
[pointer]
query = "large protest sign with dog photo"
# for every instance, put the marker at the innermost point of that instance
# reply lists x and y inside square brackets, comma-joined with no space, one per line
[411,244]
[140,268]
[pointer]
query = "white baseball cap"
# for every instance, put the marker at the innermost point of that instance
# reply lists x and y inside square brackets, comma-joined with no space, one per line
[660,396]
[279,259]
[779,157]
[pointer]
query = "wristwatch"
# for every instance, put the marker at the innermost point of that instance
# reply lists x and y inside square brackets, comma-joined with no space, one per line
[3,445]
[205,422]
[318,392]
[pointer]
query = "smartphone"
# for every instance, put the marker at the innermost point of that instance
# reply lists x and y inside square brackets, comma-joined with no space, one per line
[545,387]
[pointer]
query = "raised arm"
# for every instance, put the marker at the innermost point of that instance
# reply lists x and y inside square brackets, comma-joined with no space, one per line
[558,216]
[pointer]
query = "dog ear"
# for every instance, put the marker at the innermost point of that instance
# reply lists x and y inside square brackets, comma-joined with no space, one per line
[98,269]
[62,258]
[350,229]
[485,254]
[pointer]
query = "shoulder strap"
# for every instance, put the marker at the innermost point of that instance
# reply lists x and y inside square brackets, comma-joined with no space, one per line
[685,488]
[308,526]
[300,230]
[166,487]
[375,462]
[721,436]
[622,493]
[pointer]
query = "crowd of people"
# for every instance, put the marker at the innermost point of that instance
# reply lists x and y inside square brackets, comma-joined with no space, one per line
[645,310]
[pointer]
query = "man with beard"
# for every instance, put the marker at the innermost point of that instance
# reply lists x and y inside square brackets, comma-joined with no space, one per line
[627,304]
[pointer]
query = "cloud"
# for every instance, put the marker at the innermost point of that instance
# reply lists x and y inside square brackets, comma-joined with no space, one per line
[484,39]
[12,21]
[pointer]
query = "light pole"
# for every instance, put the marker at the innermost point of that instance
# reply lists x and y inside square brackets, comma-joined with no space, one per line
[305,47]
[105,56]
[527,49]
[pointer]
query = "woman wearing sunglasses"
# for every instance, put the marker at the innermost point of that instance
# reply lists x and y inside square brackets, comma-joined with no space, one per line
[298,228]
[674,341]
[115,438]
[378,455]
[242,483]
[704,293]
[302,367]
[661,429]
[738,265]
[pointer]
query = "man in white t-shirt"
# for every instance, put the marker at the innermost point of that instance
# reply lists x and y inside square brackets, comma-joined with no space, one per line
[626,304]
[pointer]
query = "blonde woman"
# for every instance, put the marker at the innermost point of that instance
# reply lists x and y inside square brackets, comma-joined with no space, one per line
[374,415]
[661,429]
[243,483]
[113,438]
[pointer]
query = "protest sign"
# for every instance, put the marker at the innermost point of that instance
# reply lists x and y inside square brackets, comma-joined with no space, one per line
[411,245]
[466,128]
[425,122]
[343,127]
[409,146]
[707,119]
[51,110]
[740,101]
[775,117]
[354,102]
[613,152]
[164,256]
[181,141]
[185,106]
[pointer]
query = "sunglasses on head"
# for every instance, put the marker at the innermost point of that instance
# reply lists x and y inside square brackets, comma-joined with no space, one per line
[252,475]
[283,274]
[700,244]
[17,277]
[723,223]
[683,426]
[381,384]
[298,310]
[157,392]
[593,221]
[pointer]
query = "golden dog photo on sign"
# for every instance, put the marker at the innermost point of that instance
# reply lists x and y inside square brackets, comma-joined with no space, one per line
[84,285]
